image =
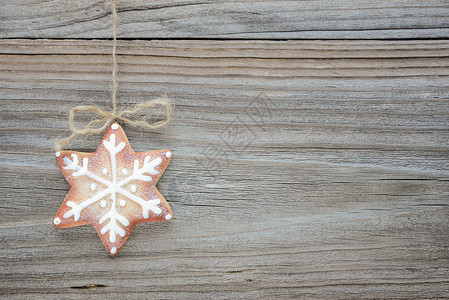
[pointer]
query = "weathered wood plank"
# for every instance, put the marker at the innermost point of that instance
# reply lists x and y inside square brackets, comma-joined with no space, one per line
[230,19]
[300,169]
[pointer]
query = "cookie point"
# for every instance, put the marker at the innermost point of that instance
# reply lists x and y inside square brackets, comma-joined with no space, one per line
[57,154]
[114,126]
[113,250]
[57,221]
[168,154]
[168,217]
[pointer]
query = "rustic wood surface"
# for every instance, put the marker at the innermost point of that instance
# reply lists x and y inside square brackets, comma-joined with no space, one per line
[226,19]
[301,168]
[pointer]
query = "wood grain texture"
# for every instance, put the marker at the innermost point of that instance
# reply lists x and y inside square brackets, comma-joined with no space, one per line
[305,169]
[230,19]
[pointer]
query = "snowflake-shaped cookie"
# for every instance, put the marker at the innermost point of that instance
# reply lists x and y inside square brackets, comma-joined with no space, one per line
[113,189]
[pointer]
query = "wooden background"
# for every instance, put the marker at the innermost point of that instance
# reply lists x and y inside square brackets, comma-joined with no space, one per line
[310,147]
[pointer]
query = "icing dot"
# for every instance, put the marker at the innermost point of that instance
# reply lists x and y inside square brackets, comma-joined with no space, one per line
[168,154]
[168,217]
[133,188]
[93,186]
[57,154]
[124,171]
[103,203]
[113,249]
[105,171]
[57,221]
[122,202]
[114,126]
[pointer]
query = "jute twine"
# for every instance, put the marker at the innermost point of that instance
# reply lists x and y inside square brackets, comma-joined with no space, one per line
[107,117]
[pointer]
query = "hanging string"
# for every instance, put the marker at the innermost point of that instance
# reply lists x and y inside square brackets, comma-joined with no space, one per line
[107,117]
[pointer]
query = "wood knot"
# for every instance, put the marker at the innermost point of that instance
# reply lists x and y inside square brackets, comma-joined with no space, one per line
[88,286]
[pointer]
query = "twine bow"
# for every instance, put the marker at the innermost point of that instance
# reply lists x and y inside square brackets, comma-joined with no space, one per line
[107,118]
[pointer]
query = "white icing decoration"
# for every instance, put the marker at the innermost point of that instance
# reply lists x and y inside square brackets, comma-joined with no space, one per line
[114,126]
[148,167]
[133,188]
[105,171]
[71,165]
[113,250]
[57,154]
[57,221]
[124,171]
[113,188]
[93,186]
[168,217]
[168,154]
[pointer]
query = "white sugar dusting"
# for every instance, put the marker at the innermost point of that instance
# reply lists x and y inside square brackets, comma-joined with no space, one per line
[105,171]
[122,202]
[103,203]
[93,186]
[133,188]
[124,171]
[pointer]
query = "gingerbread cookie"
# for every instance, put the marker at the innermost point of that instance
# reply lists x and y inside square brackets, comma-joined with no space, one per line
[113,189]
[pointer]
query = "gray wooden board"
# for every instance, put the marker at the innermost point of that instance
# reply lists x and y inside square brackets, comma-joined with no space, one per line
[227,19]
[300,169]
